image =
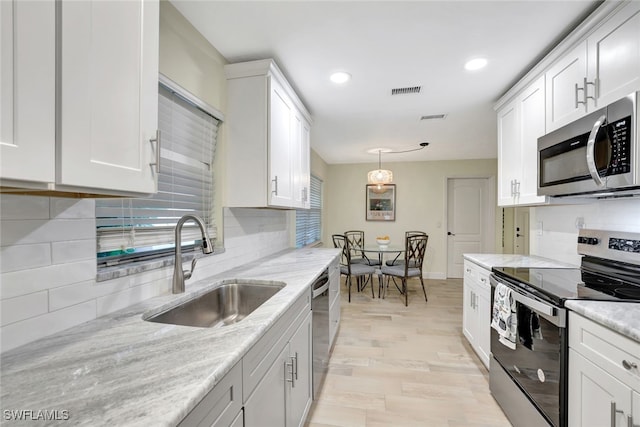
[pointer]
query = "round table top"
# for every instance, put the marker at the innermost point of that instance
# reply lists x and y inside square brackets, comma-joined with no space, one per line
[385,248]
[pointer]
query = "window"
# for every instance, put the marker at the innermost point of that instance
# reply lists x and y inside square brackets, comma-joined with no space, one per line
[131,229]
[309,221]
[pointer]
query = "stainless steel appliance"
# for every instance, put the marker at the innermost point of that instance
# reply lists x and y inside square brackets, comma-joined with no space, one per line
[530,381]
[593,155]
[320,330]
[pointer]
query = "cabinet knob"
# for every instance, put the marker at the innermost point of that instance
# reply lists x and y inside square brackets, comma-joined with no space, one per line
[629,365]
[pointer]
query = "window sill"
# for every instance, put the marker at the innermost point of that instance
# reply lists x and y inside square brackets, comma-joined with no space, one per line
[115,272]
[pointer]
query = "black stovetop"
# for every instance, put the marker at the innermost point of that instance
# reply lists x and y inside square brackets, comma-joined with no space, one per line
[560,284]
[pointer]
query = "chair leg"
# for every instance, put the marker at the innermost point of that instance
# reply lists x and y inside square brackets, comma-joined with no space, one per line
[406,291]
[373,295]
[423,289]
[349,286]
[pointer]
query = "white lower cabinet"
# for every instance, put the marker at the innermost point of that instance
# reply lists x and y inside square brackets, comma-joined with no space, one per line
[283,395]
[604,380]
[476,311]
[334,301]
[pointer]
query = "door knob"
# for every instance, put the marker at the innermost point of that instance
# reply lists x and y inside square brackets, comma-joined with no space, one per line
[450,233]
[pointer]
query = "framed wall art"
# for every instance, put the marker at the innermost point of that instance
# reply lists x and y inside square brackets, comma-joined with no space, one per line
[381,202]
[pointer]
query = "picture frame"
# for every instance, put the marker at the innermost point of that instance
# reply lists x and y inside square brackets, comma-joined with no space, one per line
[381,202]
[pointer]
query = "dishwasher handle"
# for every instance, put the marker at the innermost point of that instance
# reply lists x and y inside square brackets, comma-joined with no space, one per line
[319,288]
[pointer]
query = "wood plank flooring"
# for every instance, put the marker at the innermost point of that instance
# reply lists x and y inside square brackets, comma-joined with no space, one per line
[397,366]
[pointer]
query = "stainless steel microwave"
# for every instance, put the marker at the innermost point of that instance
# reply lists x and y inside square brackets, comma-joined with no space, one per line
[596,155]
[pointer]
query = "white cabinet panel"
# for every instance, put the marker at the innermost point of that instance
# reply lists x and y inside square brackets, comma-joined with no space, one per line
[108,94]
[27,90]
[281,130]
[476,310]
[509,153]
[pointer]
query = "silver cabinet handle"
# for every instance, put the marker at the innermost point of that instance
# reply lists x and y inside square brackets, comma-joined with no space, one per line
[468,270]
[614,413]
[292,379]
[275,181]
[629,365]
[158,141]
[577,88]
[296,365]
[629,421]
[591,149]
[595,90]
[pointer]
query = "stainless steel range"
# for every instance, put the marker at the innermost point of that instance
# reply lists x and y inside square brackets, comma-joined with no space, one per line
[528,368]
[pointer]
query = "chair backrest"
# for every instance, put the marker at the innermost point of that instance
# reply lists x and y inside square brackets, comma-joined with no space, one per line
[341,242]
[414,233]
[356,240]
[415,248]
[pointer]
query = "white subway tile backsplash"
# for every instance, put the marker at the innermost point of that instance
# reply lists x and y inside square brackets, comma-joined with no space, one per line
[119,300]
[72,208]
[24,307]
[25,331]
[41,231]
[74,250]
[22,257]
[23,282]
[23,207]
[48,265]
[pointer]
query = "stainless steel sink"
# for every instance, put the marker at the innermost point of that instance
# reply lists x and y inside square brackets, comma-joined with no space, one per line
[224,305]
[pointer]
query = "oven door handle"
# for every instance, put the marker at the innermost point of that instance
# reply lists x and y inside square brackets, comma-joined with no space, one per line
[534,304]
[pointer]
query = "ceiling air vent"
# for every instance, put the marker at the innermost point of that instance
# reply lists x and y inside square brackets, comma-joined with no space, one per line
[434,117]
[406,90]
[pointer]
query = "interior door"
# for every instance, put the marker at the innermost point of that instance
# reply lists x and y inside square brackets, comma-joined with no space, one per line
[521,231]
[468,220]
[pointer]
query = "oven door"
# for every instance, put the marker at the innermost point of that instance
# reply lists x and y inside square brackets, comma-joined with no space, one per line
[538,363]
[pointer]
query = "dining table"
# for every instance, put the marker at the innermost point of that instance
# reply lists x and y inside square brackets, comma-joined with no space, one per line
[382,250]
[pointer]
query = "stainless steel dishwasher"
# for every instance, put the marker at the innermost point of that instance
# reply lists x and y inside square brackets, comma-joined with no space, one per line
[320,331]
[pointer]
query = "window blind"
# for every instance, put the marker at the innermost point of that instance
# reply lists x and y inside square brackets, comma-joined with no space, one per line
[143,226]
[309,221]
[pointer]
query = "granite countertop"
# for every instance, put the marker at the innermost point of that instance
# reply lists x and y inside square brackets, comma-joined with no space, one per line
[122,370]
[489,261]
[622,317]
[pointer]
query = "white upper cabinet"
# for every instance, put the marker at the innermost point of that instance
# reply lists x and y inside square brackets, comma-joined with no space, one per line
[599,70]
[81,121]
[27,90]
[268,131]
[520,124]
[108,94]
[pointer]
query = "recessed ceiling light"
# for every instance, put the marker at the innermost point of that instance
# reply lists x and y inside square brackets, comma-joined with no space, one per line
[340,77]
[475,64]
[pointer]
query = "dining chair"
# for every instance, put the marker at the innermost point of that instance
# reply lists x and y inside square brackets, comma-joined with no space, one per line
[349,268]
[356,243]
[397,260]
[415,247]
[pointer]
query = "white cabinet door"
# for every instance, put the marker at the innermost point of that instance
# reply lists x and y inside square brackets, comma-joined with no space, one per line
[509,153]
[614,56]
[108,94]
[27,90]
[266,406]
[280,147]
[301,161]
[563,97]
[300,392]
[483,313]
[468,311]
[532,126]
[592,394]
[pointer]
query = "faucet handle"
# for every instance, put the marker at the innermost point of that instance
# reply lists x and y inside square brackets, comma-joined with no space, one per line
[187,274]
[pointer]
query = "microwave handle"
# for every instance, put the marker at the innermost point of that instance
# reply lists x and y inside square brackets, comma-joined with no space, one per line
[591,148]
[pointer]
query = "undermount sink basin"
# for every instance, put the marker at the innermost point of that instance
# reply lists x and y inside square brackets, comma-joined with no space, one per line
[224,305]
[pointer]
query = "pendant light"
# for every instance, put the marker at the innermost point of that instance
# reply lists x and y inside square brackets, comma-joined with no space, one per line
[380,176]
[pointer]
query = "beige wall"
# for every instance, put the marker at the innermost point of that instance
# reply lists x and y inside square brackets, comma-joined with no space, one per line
[188,59]
[420,203]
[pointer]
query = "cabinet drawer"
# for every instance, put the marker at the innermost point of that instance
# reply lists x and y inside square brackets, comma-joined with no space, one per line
[261,356]
[606,348]
[477,273]
[221,406]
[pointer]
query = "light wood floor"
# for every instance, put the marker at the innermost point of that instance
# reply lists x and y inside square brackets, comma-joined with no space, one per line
[396,366]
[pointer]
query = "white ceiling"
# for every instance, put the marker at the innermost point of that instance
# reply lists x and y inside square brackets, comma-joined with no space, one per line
[386,45]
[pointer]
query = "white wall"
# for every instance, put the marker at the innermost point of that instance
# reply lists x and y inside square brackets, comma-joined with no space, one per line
[557,239]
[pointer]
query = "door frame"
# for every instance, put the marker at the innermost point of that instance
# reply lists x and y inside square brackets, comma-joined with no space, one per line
[488,238]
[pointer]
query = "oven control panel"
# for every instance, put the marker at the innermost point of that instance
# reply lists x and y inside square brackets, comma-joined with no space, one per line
[613,245]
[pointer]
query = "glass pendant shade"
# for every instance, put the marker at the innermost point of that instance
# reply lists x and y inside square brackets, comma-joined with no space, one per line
[380,176]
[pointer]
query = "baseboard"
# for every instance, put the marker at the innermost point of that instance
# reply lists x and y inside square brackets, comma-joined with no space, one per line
[435,275]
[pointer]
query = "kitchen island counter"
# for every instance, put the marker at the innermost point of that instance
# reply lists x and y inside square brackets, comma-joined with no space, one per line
[122,370]
[622,317]
[489,261]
